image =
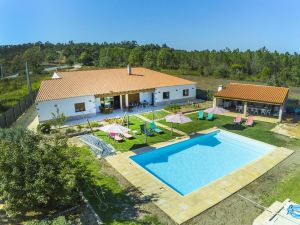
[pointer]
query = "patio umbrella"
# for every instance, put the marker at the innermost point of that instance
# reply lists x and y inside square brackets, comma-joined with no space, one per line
[177,118]
[114,128]
[216,110]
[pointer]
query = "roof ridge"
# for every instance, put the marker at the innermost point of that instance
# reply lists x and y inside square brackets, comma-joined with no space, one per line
[98,69]
[260,85]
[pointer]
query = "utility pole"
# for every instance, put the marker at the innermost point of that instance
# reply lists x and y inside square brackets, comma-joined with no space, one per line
[146,132]
[1,67]
[28,79]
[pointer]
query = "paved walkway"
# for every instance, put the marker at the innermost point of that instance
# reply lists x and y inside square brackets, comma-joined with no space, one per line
[117,113]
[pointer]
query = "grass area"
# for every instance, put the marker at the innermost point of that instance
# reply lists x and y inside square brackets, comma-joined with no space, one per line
[139,139]
[107,197]
[287,188]
[260,131]
[158,114]
[12,90]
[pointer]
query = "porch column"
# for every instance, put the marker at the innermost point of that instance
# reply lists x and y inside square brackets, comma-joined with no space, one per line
[214,102]
[245,109]
[280,113]
[121,102]
[126,100]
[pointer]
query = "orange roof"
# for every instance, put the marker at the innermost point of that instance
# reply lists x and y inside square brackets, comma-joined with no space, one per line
[104,81]
[254,93]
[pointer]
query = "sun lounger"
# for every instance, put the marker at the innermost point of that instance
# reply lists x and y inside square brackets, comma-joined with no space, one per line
[115,136]
[145,131]
[155,128]
[201,115]
[237,120]
[127,136]
[210,117]
[249,121]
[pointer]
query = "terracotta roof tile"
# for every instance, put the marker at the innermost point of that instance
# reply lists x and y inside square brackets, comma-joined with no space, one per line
[104,81]
[256,93]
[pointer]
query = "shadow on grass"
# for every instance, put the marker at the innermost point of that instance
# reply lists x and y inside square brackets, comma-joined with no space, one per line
[234,127]
[114,204]
[137,146]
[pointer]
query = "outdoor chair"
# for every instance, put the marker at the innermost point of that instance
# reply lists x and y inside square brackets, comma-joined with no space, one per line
[145,131]
[201,115]
[210,117]
[115,136]
[127,135]
[154,128]
[249,121]
[237,120]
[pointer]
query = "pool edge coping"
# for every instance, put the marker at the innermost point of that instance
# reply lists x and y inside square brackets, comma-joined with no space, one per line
[182,208]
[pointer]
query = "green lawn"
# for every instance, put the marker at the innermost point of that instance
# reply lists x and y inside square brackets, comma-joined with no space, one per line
[139,139]
[12,90]
[158,114]
[260,131]
[106,196]
[287,188]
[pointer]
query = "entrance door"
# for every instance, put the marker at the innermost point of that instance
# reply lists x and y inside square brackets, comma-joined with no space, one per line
[116,102]
[152,98]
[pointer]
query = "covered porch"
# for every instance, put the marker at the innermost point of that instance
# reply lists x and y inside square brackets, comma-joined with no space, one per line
[117,113]
[124,101]
[258,109]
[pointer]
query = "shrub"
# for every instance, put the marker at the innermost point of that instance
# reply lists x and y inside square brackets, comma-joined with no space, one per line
[70,130]
[173,108]
[94,124]
[79,127]
[43,172]
[61,220]
[44,128]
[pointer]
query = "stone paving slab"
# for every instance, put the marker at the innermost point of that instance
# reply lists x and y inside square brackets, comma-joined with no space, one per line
[182,208]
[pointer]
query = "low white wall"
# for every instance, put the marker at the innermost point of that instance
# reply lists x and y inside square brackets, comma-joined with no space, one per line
[66,106]
[176,93]
[146,96]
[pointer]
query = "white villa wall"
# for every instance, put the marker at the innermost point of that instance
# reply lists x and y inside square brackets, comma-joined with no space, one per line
[66,106]
[97,104]
[176,93]
[146,96]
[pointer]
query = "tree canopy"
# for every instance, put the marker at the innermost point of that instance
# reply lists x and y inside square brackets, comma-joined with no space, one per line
[259,65]
[36,172]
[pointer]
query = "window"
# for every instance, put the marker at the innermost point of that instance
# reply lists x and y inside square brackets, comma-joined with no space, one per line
[79,107]
[166,95]
[185,92]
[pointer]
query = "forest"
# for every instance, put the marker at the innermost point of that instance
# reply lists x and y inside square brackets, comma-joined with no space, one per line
[262,65]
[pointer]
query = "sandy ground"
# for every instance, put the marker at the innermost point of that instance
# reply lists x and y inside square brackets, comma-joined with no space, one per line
[291,130]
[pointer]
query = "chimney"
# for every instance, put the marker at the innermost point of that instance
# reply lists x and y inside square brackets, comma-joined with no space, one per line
[129,69]
[220,87]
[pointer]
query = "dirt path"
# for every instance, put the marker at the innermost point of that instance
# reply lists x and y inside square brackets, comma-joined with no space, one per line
[28,120]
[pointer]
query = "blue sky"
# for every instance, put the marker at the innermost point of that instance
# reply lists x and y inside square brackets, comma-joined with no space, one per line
[183,24]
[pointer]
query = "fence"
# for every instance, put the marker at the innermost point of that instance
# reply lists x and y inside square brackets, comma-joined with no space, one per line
[12,114]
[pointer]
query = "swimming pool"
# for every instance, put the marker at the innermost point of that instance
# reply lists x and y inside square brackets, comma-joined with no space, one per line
[189,165]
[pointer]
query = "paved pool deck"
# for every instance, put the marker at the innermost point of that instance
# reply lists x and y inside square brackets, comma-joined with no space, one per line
[182,208]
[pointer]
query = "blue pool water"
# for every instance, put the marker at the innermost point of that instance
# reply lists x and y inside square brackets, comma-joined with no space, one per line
[191,164]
